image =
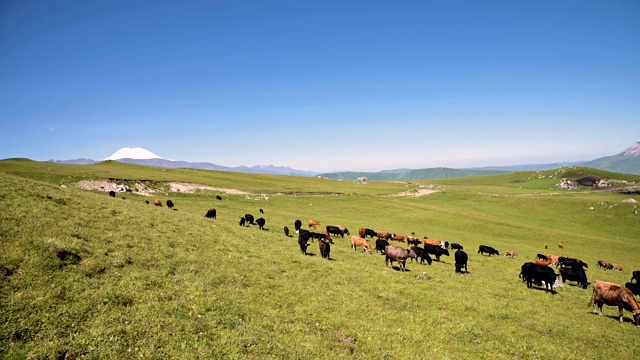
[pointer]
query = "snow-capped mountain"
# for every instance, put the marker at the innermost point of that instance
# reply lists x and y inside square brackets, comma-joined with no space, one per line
[133,153]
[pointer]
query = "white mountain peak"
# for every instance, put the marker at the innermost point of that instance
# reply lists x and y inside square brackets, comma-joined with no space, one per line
[633,150]
[133,153]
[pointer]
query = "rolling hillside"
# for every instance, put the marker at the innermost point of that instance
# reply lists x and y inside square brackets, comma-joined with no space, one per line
[87,275]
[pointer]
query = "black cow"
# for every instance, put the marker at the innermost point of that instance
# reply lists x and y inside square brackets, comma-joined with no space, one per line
[297,225]
[261,211]
[395,253]
[314,235]
[218,197]
[576,274]
[146,202]
[286,231]
[461,261]
[303,241]
[211,214]
[325,249]
[635,276]
[112,193]
[412,240]
[369,232]
[446,245]
[249,218]
[542,257]
[421,254]
[635,288]
[261,222]
[381,244]
[170,204]
[242,221]
[487,249]
[436,250]
[456,246]
[334,230]
[571,262]
[532,273]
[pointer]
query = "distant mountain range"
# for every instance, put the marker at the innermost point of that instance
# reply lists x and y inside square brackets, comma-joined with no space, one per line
[627,162]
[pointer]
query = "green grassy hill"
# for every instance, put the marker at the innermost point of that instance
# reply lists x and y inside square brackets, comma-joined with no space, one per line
[87,275]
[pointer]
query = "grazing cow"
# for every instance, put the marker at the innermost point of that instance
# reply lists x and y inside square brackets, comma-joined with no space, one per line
[249,219]
[344,230]
[456,246]
[364,232]
[635,276]
[487,249]
[170,204]
[560,246]
[384,235]
[571,262]
[261,222]
[601,264]
[112,193]
[334,230]
[428,241]
[446,245]
[218,197]
[303,240]
[297,225]
[607,293]
[461,261]
[412,240]
[157,202]
[511,254]
[211,214]
[576,274]
[555,259]
[261,211]
[362,242]
[242,221]
[313,223]
[395,253]
[635,288]
[543,262]
[325,249]
[535,274]
[542,257]
[436,250]
[617,267]
[286,231]
[380,245]
[422,255]
[399,238]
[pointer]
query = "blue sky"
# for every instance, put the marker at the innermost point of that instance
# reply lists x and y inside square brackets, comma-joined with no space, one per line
[321,85]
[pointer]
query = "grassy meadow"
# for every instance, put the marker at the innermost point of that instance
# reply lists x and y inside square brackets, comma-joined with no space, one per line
[85,275]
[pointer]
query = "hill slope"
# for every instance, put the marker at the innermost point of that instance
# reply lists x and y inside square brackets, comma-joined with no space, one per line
[627,161]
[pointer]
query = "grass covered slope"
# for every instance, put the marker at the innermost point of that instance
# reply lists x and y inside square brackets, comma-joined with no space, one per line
[101,277]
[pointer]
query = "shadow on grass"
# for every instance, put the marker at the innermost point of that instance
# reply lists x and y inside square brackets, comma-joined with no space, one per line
[625,319]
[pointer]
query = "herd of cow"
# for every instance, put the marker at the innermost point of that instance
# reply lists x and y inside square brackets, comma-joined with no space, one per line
[537,272]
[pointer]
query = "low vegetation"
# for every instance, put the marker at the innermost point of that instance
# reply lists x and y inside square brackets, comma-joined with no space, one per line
[87,275]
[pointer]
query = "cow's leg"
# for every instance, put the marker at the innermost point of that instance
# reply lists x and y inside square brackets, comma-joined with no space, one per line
[620,311]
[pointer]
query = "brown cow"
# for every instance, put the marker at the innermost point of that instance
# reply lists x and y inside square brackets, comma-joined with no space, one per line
[343,229]
[543,262]
[157,202]
[428,241]
[511,254]
[313,223]
[327,237]
[362,242]
[554,258]
[385,235]
[615,295]
[617,267]
[560,246]
[399,238]
[412,240]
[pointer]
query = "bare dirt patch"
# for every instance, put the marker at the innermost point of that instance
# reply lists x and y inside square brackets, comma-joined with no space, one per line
[189,188]
[419,192]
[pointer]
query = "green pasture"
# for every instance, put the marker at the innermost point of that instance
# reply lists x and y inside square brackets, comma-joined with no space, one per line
[85,275]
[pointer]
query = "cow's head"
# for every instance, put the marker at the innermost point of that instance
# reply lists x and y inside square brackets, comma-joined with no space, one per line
[636,317]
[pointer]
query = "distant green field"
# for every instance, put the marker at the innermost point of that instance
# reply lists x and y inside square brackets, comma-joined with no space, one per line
[87,275]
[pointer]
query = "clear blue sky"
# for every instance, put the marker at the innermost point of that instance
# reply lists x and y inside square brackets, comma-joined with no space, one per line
[321,85]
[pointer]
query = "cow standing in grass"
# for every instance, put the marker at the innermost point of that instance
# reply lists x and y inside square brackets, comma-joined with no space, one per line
[607,293]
